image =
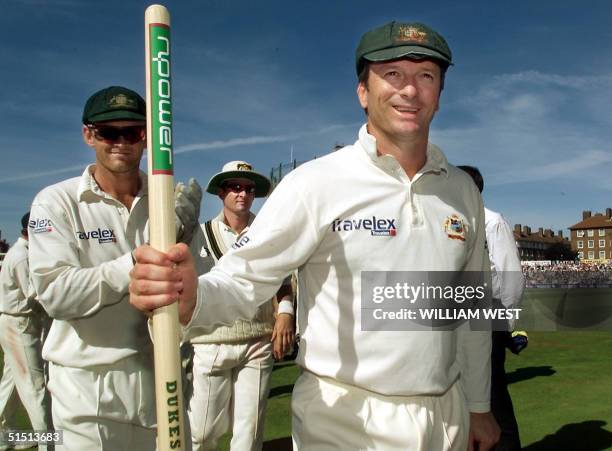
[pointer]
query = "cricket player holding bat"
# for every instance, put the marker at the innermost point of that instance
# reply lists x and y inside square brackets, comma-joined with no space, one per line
[82,234]
[391,201]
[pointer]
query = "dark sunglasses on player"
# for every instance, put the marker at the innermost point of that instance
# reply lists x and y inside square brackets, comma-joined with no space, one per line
[239,187]
[131,134]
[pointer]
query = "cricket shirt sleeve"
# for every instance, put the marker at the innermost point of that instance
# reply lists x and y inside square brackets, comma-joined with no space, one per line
[14,280]
[64,288]
[474,347]
[21,276]
[508,279]
[283,236]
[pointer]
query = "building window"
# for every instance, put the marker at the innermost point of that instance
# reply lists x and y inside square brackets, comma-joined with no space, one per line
[602,255]
[591,244]
[602,243]
[580,255]
[580,244]
[602,232]
[591,255]
[590,232]
[579,233]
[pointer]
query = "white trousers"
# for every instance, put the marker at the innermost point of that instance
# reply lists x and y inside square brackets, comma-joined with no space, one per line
[8,398]
[21,343]
[230,390]
[108,407]
[328,415]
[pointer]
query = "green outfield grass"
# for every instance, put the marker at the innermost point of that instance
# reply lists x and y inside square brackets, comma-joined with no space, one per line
[561,386]
[554,309]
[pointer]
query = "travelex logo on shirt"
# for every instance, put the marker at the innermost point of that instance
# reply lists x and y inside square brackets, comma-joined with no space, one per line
[376,226]
[102,235]
[42,225]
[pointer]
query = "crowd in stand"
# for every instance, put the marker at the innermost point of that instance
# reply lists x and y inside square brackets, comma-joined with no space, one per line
[568,275]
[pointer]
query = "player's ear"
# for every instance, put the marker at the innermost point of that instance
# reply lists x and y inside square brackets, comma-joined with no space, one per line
[362,94]
[88,137]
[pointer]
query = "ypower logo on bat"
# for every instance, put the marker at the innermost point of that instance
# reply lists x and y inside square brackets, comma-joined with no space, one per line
[161,99]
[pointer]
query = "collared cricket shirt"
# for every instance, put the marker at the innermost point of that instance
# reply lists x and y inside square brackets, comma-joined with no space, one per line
[80,258]
[349,212]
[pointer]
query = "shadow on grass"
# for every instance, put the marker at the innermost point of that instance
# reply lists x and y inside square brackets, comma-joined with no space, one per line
[278,444]
[585,436]
[523,374]
[281,390]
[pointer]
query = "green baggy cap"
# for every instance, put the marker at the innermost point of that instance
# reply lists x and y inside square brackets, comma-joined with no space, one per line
[114,103]
[396,40]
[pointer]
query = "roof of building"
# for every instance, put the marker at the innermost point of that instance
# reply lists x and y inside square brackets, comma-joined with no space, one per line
[540,238]
[598,221]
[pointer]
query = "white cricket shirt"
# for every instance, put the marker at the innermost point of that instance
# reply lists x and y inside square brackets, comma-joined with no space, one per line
[16,294]
[80,258]
[508,279]
[319,220]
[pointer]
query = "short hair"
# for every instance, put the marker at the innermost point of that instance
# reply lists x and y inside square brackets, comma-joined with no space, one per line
[25,219]
[473,172]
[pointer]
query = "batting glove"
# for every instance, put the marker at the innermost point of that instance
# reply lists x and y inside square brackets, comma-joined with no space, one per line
[187,200]
[518,341]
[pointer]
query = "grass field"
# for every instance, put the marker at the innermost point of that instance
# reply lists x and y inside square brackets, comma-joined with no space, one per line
[553,309]
[561,386]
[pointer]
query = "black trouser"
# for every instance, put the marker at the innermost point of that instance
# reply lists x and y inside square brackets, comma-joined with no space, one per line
[501,404]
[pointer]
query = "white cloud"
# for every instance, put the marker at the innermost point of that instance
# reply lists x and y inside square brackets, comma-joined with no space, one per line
[33,175]
[542,79]
[588,161]
[254,140]
[530,126]
[212,145]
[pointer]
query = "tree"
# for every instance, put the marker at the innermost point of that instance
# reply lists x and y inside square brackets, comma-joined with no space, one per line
[561,252]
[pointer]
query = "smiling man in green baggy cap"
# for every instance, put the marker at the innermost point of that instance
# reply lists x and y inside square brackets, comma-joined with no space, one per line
[389,202]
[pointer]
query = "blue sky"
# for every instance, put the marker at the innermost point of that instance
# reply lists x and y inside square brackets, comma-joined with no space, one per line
[527,101]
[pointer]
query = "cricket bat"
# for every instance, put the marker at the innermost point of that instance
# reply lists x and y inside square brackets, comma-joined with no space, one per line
[162,234]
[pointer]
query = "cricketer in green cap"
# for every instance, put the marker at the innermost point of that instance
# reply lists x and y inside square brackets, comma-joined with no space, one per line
[114,103]
[423,390]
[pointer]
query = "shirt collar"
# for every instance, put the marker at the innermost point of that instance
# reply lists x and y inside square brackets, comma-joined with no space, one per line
[89,186]
[436,160]
[221,219]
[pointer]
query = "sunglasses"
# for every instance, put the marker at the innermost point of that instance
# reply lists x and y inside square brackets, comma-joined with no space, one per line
[132,134]
[239,187]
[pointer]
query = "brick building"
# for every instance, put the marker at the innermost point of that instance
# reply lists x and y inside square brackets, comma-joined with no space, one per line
[592,237]
[538,245]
